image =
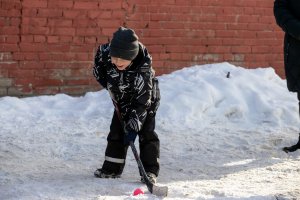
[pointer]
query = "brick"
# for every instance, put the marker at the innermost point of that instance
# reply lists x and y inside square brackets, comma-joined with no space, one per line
[85,23]
[32,47]
[90,40]
[74,14]
[15,21]
[3,73]
[60,22]
[25,56]
[9,66]
[77,82]
[39,38]
[9,47]
[256,27]
[107,5]
[248,18]
[21,73]
[77,72]
[218,49]
[5,56]
[48,82]
[10,13]
[99,14]
[9,4]
[78,40]
[62,31]
[261,49]
[12,39]
[241,49]
[5,82]
[47,90]
[87,31]
[86,48]
[34,3]
[58,47]
[60,4]
[2,39]
[164,33]
[39,30]
[120,14]
[63,65]
[36,21]
[31,65]
[27,38]
[246,34]
[21,91]
[49,13]
[226,33]
[265,34]
[86,5]
[66,39]
[29,12]
[9,30]
[3,91]
[74,90]
[212,57]
[52,39]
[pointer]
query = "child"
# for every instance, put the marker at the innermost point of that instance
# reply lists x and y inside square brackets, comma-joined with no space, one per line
[124,68]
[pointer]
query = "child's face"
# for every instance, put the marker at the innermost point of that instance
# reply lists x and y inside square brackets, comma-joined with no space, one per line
[120,63]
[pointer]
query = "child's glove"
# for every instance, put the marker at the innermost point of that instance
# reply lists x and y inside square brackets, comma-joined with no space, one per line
[129,137]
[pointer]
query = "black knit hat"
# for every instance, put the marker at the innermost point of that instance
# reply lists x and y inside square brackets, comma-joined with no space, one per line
[124,44]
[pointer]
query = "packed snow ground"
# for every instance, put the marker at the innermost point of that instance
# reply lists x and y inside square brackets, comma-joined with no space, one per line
[221,138]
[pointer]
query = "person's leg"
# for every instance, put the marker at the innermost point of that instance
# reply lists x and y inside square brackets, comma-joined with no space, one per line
[296,146]
[293,147]
[116,151]
[149,146]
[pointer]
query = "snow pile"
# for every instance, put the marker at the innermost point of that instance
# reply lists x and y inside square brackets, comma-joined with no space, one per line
[199,95]
[221,138]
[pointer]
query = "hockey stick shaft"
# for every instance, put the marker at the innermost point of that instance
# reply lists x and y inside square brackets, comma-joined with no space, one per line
[141,167]
[159,191]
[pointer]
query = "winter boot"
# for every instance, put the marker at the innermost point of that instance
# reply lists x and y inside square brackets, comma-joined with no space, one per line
[151,177]
[100,173]
[292,148]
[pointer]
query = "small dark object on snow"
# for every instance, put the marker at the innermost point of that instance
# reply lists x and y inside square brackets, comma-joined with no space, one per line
[228,75]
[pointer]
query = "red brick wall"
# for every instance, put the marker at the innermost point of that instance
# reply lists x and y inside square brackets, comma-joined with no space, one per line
[47,46]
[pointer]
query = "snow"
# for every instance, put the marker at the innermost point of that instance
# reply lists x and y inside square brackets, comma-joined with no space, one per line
[221,139]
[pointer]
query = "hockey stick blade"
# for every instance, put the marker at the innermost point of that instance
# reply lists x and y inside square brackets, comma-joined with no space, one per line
[160,191]
[156,190]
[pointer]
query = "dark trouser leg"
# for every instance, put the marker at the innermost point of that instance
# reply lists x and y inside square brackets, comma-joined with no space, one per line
[149,146]
[116,151]
[296,146]
[298,95]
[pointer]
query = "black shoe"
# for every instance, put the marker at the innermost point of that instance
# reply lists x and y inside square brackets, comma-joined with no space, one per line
[292,148]
[152,178]
[100,173]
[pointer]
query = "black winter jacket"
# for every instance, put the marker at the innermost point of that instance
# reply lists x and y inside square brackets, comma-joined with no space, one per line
[287,15]
[134,90]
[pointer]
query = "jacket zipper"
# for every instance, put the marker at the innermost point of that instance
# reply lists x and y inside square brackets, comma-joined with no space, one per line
[121,78]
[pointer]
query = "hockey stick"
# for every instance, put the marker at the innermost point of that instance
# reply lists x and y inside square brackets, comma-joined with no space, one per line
[156,190]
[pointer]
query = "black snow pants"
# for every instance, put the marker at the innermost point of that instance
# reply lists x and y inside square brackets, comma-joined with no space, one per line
[116,151]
